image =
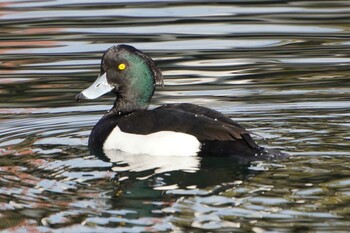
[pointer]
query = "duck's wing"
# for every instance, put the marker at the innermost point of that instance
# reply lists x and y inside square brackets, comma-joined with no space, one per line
[200,110]
[203,123]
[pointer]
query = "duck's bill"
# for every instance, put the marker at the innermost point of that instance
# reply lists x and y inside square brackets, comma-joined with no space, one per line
[98,88]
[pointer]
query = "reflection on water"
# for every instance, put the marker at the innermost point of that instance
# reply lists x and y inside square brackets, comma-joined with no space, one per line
[160,164]
[279,68]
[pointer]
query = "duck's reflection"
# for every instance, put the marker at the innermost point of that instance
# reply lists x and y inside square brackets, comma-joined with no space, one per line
[151,183]
[158,164]
[175,171]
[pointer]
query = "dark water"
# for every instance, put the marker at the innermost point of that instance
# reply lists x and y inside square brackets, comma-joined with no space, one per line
[280,68]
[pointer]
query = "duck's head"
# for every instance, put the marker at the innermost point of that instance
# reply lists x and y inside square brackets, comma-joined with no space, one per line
[130,74]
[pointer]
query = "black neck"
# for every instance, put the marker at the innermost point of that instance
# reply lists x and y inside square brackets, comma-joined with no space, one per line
[130,101]
[125,107]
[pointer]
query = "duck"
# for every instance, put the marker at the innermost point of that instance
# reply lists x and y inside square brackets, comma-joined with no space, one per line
[177,129]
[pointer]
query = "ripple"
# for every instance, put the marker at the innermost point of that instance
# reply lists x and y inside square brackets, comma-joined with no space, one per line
[199,44]
[176,11]
[215,29]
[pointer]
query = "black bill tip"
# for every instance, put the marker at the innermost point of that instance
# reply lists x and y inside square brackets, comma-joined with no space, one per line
[79,97]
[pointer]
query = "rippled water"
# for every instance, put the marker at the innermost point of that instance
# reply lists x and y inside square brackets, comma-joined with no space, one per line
[280,68]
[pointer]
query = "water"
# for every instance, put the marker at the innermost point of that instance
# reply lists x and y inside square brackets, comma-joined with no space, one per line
[280,68]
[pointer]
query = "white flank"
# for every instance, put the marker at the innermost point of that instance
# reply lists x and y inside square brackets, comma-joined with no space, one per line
[162,143]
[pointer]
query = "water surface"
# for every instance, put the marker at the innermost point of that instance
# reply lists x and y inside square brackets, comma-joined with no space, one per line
[280,68]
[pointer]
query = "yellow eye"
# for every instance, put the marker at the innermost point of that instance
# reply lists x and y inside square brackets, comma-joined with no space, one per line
[121,66]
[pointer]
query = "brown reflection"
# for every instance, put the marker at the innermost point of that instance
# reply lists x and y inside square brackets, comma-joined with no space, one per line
[38,31]
[6,45]
[3,5]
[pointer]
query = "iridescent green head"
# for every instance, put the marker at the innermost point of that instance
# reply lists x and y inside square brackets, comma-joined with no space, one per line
[130,74]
